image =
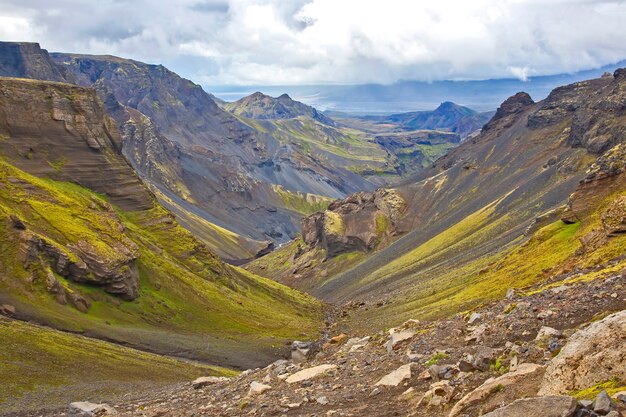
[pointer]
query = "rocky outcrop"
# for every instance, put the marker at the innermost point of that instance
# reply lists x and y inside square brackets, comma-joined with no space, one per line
[357,223]
[508,109]
[592,355]
[596,119]
[82,262]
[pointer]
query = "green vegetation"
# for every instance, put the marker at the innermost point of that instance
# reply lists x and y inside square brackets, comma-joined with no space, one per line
[36,360]
[436,358]
[190,304]
[302,203]
[611,387]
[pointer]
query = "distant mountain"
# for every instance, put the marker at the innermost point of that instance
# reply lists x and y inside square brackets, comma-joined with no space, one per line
[448,117]
[409,96]
[261,106]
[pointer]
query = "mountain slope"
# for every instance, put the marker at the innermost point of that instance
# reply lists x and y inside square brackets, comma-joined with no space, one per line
[108,261]
[189,148]
[473,220]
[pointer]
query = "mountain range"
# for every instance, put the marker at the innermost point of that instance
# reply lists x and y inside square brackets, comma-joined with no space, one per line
[151,234]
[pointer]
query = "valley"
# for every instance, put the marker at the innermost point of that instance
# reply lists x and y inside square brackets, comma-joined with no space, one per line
[446,262]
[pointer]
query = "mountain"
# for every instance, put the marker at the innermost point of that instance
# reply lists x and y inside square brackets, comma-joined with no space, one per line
[86,248]
[253,177]
[261,106]
[448,117]
[535,185]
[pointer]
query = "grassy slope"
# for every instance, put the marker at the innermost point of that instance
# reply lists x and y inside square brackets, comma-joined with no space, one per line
[190,304]
[550,251]
[44,368]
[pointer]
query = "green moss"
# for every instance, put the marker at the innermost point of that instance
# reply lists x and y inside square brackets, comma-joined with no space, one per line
[436,358]
[302,203]
[188,299]
[58,164]
[611,387]
[382,223]
[333,223]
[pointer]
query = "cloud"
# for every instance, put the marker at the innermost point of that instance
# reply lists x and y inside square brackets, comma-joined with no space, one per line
[329,41]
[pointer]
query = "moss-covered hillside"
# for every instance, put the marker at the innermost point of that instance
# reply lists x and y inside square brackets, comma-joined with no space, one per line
[74,260]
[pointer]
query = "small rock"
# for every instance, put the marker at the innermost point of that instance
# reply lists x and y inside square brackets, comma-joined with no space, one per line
[87,409]
[483,358]
[547,333]
[309,373]
[374,392]
[257,388]
[603,403]
[620,396]
[322,400]
[510,293]
[465,366]
[394,378]
[474,318]
[7,309]
[614,413]
[204,381]
[300,351]
[397,337]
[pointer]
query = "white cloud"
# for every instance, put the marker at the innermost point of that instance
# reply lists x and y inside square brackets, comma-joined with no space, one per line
[333,41]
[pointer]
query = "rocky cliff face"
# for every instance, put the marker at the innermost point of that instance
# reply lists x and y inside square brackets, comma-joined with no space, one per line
[28,60]
[81,144]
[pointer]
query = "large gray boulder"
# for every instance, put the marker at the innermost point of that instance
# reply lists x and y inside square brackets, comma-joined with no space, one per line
[592,355]
[551,406]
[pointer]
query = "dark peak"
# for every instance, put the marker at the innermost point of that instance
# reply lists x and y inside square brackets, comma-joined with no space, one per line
[285,96]
[513,104]
[620,74]
[258,94]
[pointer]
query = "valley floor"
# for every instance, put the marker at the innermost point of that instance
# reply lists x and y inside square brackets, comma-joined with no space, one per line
[500,337]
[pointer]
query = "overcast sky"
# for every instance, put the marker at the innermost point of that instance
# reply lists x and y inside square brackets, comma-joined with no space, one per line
[272,42]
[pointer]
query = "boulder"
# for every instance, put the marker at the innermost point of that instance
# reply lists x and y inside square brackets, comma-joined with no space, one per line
[592,355]
[257,388]
[603,404]
[204,381]
[87,409]
[551,406]
[394,378]
[547,333]
[300,351]
[309,373]
[397,336]
[439,393]
[527,371]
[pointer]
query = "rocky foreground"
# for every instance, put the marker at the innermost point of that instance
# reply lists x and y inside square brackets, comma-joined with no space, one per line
[557,350]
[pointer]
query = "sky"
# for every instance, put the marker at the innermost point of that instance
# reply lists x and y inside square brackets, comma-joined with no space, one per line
[309,42]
